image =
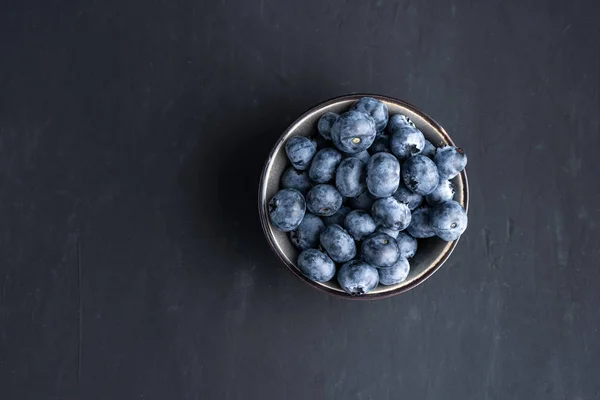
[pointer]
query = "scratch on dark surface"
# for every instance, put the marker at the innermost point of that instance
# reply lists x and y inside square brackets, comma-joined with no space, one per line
[397,12]
[510,229]
[488,242]
[370,68]
[4,285]
[243,284]
[565,29]
[494,308]
[562,250]
[80,341]
[573,163]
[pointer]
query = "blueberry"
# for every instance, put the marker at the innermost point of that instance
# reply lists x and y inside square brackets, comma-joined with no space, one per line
[322,168]
[398,121]
[323,200]
[357,277]
[419,224]
[380,250]
[306,235]
[407,245]
[350,177]
[353,132]
[391,232]
[395,274]
[375,108]
[420,175]
[383,175]
[337,218]
[338,243]
[316,265]
[408,197]
[300,150]
[359,224]
[406,141]
[363,156]
[286,209]
[450,161]
[294,179]
[428,149]
[448,220]
[325,123]
[443,192]
[381,144]
[390,213]
[363,201]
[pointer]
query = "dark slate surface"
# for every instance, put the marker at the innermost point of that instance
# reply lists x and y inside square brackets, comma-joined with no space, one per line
[132,263]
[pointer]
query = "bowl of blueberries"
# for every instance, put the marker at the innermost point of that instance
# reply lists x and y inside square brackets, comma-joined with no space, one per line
[364,196]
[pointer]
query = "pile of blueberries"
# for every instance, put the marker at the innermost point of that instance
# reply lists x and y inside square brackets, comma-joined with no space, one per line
[370,196]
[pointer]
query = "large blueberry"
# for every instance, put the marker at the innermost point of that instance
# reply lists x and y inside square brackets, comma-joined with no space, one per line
[363,201]
[338,243]
[395,274]
[350,177]
[375,108]
[383,175]
[398,121]
[450,161]
[419,224]
[325,123]
[323,200]
[428,149]
[420,175]
[338,217]
[359,224]
[381,144]
[316,265]
[357,277]
[448,220]
[353,132]
[408,197]
[286,209]
[322,168]
[443,192]
[307,234]
[406,141]
[391,213]
[294,179]
[300,150]
[407,245]
[380,250]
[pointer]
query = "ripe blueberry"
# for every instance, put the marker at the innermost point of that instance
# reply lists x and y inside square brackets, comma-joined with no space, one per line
[323,200]
[300,151]
[322,169]
[383,175]
[286,209]
[357,277]
[353,132]
[338,243]
[448,220]
[316,265]
[420,175]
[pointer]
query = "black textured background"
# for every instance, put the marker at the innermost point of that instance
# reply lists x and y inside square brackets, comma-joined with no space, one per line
[132,263]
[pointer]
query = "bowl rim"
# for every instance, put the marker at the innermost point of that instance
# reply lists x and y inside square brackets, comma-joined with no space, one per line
[429,271]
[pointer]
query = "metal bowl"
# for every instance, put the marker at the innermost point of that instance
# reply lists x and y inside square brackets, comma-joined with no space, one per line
[432,252]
